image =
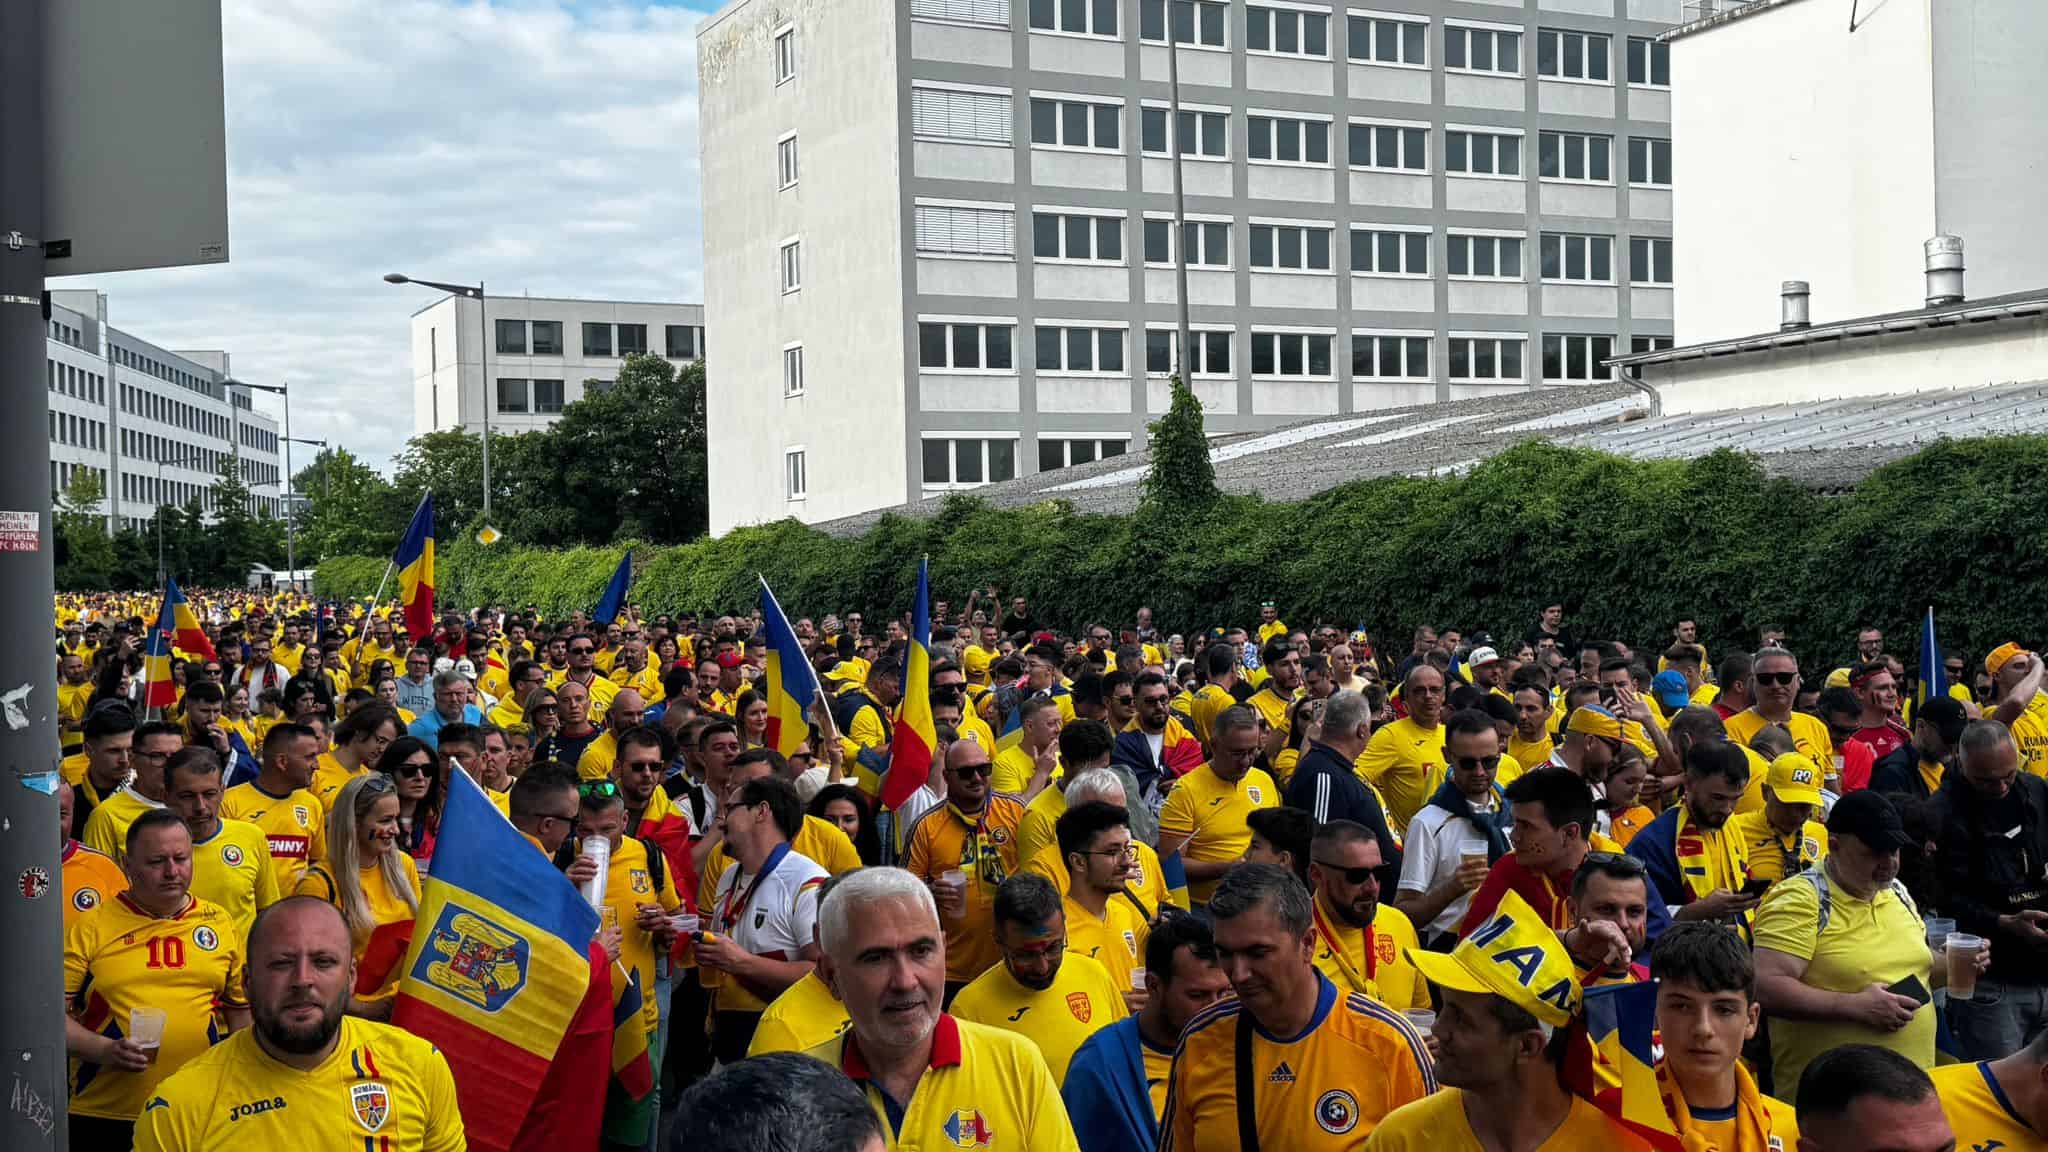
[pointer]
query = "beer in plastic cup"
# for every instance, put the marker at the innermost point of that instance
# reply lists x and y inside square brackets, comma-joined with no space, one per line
[599,849]
[1423,1019]
[146,1029]
[1938,929]
[954,879]
[1137,979]
[1962,964]
[1471,852]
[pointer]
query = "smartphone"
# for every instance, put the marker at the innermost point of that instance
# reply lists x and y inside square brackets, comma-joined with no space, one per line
[1756,888]
[1912,989]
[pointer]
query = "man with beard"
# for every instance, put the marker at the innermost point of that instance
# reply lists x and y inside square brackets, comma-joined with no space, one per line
[296,1079]
[1697,868]
[1040,990]
[1362,943]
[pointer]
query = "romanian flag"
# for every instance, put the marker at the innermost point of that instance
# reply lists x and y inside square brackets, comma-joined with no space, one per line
[415,564]
[183,625]
[789,682]
[159,690]
[1933,674]
[499,965]
[630,1064]
[613,601]
[911,745]
[1620,1073]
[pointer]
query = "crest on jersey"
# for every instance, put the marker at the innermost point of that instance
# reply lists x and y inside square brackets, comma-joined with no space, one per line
[1000,835]
[1252,790]
[967,1129]
[300,814]
[205,939]
[231,855]
[1079,1004]
[371,1102]
[1336,1112]
[1384,948]
[640,881]
[473,958]
[85,899]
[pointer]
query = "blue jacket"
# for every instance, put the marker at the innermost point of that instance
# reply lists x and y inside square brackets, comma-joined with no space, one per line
[1107,1098]
[428,726]
[1656,847]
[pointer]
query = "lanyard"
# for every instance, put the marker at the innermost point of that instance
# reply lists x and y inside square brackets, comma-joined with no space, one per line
[729,914]
[1337,948]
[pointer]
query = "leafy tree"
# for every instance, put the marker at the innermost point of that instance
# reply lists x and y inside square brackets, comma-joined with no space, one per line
[450,463]
[347,507]
[85,551]
[631,458]
[1182,478]
[237,539]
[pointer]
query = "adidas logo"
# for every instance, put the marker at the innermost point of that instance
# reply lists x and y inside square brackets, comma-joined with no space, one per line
[1281,1075]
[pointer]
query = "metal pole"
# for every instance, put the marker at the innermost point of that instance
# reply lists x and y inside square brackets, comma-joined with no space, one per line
[32,899]
[291,511]
[483,367]
[1180,227]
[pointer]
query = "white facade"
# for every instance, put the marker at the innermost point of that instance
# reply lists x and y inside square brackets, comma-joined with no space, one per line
[152,424]
[1814,152]
[542,354]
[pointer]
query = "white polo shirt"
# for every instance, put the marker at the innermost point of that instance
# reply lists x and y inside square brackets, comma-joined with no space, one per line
[1429,854]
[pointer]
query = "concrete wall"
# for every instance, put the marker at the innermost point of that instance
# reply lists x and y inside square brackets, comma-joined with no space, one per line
[1991,157]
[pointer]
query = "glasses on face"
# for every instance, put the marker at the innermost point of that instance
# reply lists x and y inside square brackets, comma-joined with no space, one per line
[597,789]
[1243,754]
[1123,701]
[581,650]
[1780,679]
[1475,763]
[1619,863]
[1127,852]
[982,770]
[1350,875]
[378,785]
[568,819]
[1426,690]
[415,768]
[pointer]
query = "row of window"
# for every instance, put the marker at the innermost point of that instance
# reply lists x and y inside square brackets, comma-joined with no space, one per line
[148,405]
[168,373]
[149,489]
[165,450]
[544,338]
[77,430]
[64,333]
[259,439]
[65,380]
[519,396]
[61,475]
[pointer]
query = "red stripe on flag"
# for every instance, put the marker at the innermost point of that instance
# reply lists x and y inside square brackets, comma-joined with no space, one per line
[494,1079]
[385,952]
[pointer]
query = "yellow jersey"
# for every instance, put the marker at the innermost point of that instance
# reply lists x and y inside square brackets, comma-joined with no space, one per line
[1774,857]
[329,778]
[598,757]
[106,830]
[1147,883]
[647,682]
[71,701]
[806,1015]
[1809,735]
[1720,1129]
[1438,1124]
[381,1088]
[1208,701]
[1015,766]
[1271,707]
[1372,964]
[1405,761]
[1527,752]
[231,868]
[1979,1109]
[90,880]
[628,884]
[1081,1000]
[985,1089]
[1211,812]
[386,907]
[2030,736]
[820,841]
[1038,827]
[117,958]
[295,827]
[1326,1088]
[1115,940]
[985,848]
[601,692]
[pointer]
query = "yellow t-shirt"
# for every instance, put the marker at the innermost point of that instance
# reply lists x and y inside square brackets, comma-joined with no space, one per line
[1720,1129]
[803,1017]
[1211,812]
[106,830]
[1037,828]
[1980,1111]
[1116,940]
[2030,736]
[1437,1124]
[1082,1000]
[231,868]
[1771,856]
[1208,701]
[118,958]
[1014,767]
[1389,978]
[1809,735]
[1268,631]
[601,692]
[71,701]
[90,880]
[1272,706]
[1147,881]
[386,907]
[982,1081]
[945,839]
[237,1096]
[628,884]
[598,757]
[1405,761]
[329,778]
[295,827]
[1528,752]
[1158,1075]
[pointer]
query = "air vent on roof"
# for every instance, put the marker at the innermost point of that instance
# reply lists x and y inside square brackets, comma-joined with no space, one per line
[1795,299]
[1944,271]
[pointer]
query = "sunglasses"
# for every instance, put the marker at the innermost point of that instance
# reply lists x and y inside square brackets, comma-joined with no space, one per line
[580,651]
[982,770]
[1778,678]
[1474,763]
[415,768]
[1350,875]
[597,789]
[1616,862]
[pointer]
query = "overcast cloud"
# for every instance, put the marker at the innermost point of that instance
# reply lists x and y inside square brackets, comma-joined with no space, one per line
[547,147]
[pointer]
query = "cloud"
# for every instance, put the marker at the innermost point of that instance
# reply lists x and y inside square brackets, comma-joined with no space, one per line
[545,147]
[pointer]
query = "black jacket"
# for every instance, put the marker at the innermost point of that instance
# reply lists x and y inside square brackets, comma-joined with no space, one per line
[1994,861]
[1327,787]
[1899,773]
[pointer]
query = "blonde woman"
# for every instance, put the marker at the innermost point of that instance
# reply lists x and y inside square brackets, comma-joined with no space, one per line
[369,876]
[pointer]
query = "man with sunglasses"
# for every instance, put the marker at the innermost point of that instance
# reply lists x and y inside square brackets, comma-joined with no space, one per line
[974,833]
[1405,760]
[582,654]
[1774,680]
[1438,872]
[1362,943]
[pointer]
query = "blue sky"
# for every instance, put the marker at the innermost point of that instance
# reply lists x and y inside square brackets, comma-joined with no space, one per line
[546,146]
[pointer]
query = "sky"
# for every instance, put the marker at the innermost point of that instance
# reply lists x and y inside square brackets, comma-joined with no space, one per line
[543,146]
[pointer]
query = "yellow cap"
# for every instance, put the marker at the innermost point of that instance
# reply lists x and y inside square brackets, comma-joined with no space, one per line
[1793,779]
[974,662]
[2000,656]
[1839,678]
[1594,720]
[1514,955]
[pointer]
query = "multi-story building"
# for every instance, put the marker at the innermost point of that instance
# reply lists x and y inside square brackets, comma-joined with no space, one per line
[939,232]
[543,354]
[153,425]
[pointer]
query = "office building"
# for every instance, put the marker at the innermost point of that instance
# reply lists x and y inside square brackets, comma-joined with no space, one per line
[939,232]
[544,353]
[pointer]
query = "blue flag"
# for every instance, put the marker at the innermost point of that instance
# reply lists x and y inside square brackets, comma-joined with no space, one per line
[613,601]
[1933,674]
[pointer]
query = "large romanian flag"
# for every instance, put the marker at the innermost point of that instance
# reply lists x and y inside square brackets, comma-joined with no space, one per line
[915,737]
[159,690]
[1619,1074]
[788,681]
[499,964]
[415,564]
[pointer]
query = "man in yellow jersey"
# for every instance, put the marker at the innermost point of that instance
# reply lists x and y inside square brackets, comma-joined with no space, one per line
[106,830]
[90,878]
[1024,769]
[1774,681]
[99,770]
[278,801]
[1314,1068]
[935,1081]
[1362,943]
[2000,1103]
[972,835]
[779,1102]
[628,711]
[807,1014]
[1783,839]
[74,690]
[305,1077]
[359,742]
[582,669]
[1102,922]
[152,947]
[1040,990]
[1142,872]
[1115,1088]
[1530,743]
[2016,678]
[1405,760]
[230,858]
[1283,679]
[1861,1098]
[1706,1011]
[1219,671]
[1083,748]
[1204,817]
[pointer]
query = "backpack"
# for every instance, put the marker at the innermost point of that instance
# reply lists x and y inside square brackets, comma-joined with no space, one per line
[1823,892]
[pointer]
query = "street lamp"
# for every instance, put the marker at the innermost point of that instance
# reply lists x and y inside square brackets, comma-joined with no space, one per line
[1180,224]
[483,351]
[326,491]
[291,550]
[175,462]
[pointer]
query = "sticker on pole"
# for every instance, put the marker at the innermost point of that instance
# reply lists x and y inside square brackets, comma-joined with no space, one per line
[21,531]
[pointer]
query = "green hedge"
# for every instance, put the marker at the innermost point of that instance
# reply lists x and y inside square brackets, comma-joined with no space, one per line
[1629,546]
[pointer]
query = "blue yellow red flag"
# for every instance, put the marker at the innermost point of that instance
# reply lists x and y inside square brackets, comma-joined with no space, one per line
[1933,673]
[613,601]
[415,563]
[1621,1021]
[788,681]
[159,690]
[186,634]
[631,1066]
[916,736]
[499,963]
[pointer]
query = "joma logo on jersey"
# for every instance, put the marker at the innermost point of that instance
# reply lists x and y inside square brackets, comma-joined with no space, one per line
[473,959]
[255,1108]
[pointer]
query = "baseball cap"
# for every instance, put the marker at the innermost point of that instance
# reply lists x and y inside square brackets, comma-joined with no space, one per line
[1869,817]
[974,662]
[1593,720]
[1514,955]
[1670,690]
[1947,715]
[730,659]
[1839,678]
[1481,657]
[1794,780]
[2000,656]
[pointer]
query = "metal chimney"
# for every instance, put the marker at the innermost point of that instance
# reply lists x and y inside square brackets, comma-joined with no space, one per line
[1944,271]
[1794,296]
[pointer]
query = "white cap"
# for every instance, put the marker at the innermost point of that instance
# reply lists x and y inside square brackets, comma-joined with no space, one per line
[443,664]
[1481,657]
[467,669]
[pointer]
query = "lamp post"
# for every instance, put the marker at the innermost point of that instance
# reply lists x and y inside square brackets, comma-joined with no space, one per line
[291,542]
[326,491]
[1186,363]
[175,462]
[483,351]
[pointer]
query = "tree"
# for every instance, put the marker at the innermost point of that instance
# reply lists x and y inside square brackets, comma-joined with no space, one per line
[1183,477]
[347,507]
[450,463]
[237,539]
[631,459]
[86,552]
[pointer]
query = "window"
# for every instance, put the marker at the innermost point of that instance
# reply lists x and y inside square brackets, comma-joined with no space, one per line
[1291,354]
[785,161]
[1286,31]
[1482,153]
[1080,349]
[1483,257]
[1211,358]
[1486,358]
[547,395]
[785,55]
[1574,156]
[950,463]
[681,341]
[1076,124]
[1572,55]
[1649,260]
[1201,133]
[1067,453]
[632,339]
[1290,246]
[1200,22]
[973,11]
[1387,253]
[1208,244]
[1482,50]
[792,265]
[1640,344]
[964,347]
[1649,62]
[547,337]
[1389,146]
[951,114]
[1649,161]
[511,395]
[793,474]
[1078,17]
[1579,258]
[1283,140]
[1577,358]
[966,231]
[1384,40]
[597,339]
[1057,236]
